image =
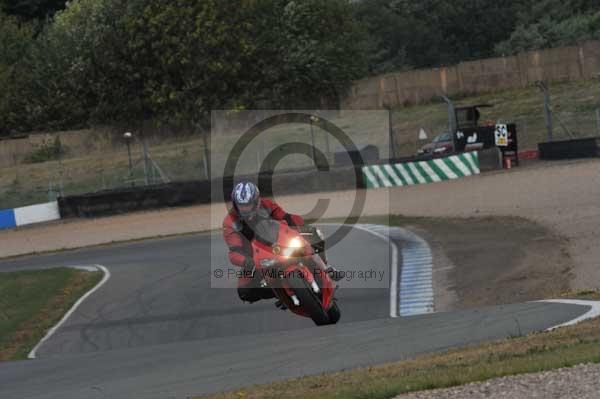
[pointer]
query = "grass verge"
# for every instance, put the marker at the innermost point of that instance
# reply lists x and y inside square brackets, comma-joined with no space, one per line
[591,295]
[31,302]
[564,347]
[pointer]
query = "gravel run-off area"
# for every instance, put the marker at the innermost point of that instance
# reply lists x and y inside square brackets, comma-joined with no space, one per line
[579,382]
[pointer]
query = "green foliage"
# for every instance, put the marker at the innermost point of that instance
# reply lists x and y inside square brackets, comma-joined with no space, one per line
[119,61]
[387,43]
[15,40]
[550,33]
[530,12]
[31,9]
[190,57]
[407,33]
[172,62]
[307,51]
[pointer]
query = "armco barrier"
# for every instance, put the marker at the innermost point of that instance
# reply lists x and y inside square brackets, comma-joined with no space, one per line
[421,172]
[7,219]
[10,218]
[200,192]
[570,149]
[113,202]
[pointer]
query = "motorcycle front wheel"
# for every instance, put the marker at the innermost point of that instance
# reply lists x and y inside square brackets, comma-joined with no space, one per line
[334,313]
[309,300]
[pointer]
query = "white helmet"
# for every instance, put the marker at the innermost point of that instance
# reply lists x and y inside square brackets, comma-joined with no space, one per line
[246,197]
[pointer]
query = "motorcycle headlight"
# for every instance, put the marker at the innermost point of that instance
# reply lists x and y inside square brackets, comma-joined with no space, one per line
[295,243]
[293,247]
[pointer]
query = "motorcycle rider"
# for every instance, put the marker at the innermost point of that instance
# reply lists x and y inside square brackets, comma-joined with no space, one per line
[248,206]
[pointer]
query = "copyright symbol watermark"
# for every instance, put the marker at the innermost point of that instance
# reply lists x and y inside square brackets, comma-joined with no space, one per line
[293,153]
[231,171]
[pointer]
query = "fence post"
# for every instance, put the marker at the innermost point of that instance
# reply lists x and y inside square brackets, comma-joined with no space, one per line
[206,157]
[146,161]
[391,134]
[547,111]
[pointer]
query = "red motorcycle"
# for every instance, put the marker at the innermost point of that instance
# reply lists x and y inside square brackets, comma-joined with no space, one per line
[291,268]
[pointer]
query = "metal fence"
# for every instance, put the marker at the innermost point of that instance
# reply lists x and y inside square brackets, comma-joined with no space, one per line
[279,147]
[62,165]
[55,169]
[532,128]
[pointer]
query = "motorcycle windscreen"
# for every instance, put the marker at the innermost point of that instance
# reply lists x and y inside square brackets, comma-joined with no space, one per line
[266,230]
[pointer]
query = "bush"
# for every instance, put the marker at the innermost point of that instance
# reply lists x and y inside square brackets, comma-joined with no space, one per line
[551,33]
[49,150]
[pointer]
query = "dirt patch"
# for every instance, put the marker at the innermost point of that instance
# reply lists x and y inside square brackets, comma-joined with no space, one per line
[494,260]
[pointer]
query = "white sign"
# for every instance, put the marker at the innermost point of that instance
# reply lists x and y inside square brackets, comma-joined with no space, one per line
[422,134]
[501,135]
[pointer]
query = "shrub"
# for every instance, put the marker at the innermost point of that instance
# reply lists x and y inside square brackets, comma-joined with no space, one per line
[49,150]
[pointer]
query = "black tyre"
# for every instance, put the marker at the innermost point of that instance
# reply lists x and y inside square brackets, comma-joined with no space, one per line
[309,301]
[334,313]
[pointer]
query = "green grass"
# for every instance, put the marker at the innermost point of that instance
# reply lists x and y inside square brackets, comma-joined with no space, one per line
[590,294]
[31,302]
[564,347]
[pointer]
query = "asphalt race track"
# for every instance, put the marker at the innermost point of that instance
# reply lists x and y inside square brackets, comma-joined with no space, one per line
[157,329]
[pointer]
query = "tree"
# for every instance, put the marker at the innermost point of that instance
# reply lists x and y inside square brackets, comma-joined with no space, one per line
[28,10]
[531,12]
[308,51]
[550,33]
[387,39]
[15,40]
[61,90]
[124,61]
[190,56]
[407,34]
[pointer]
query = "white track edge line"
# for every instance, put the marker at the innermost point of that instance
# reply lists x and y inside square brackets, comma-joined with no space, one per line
[394,276]
[590,314]
[32,354]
